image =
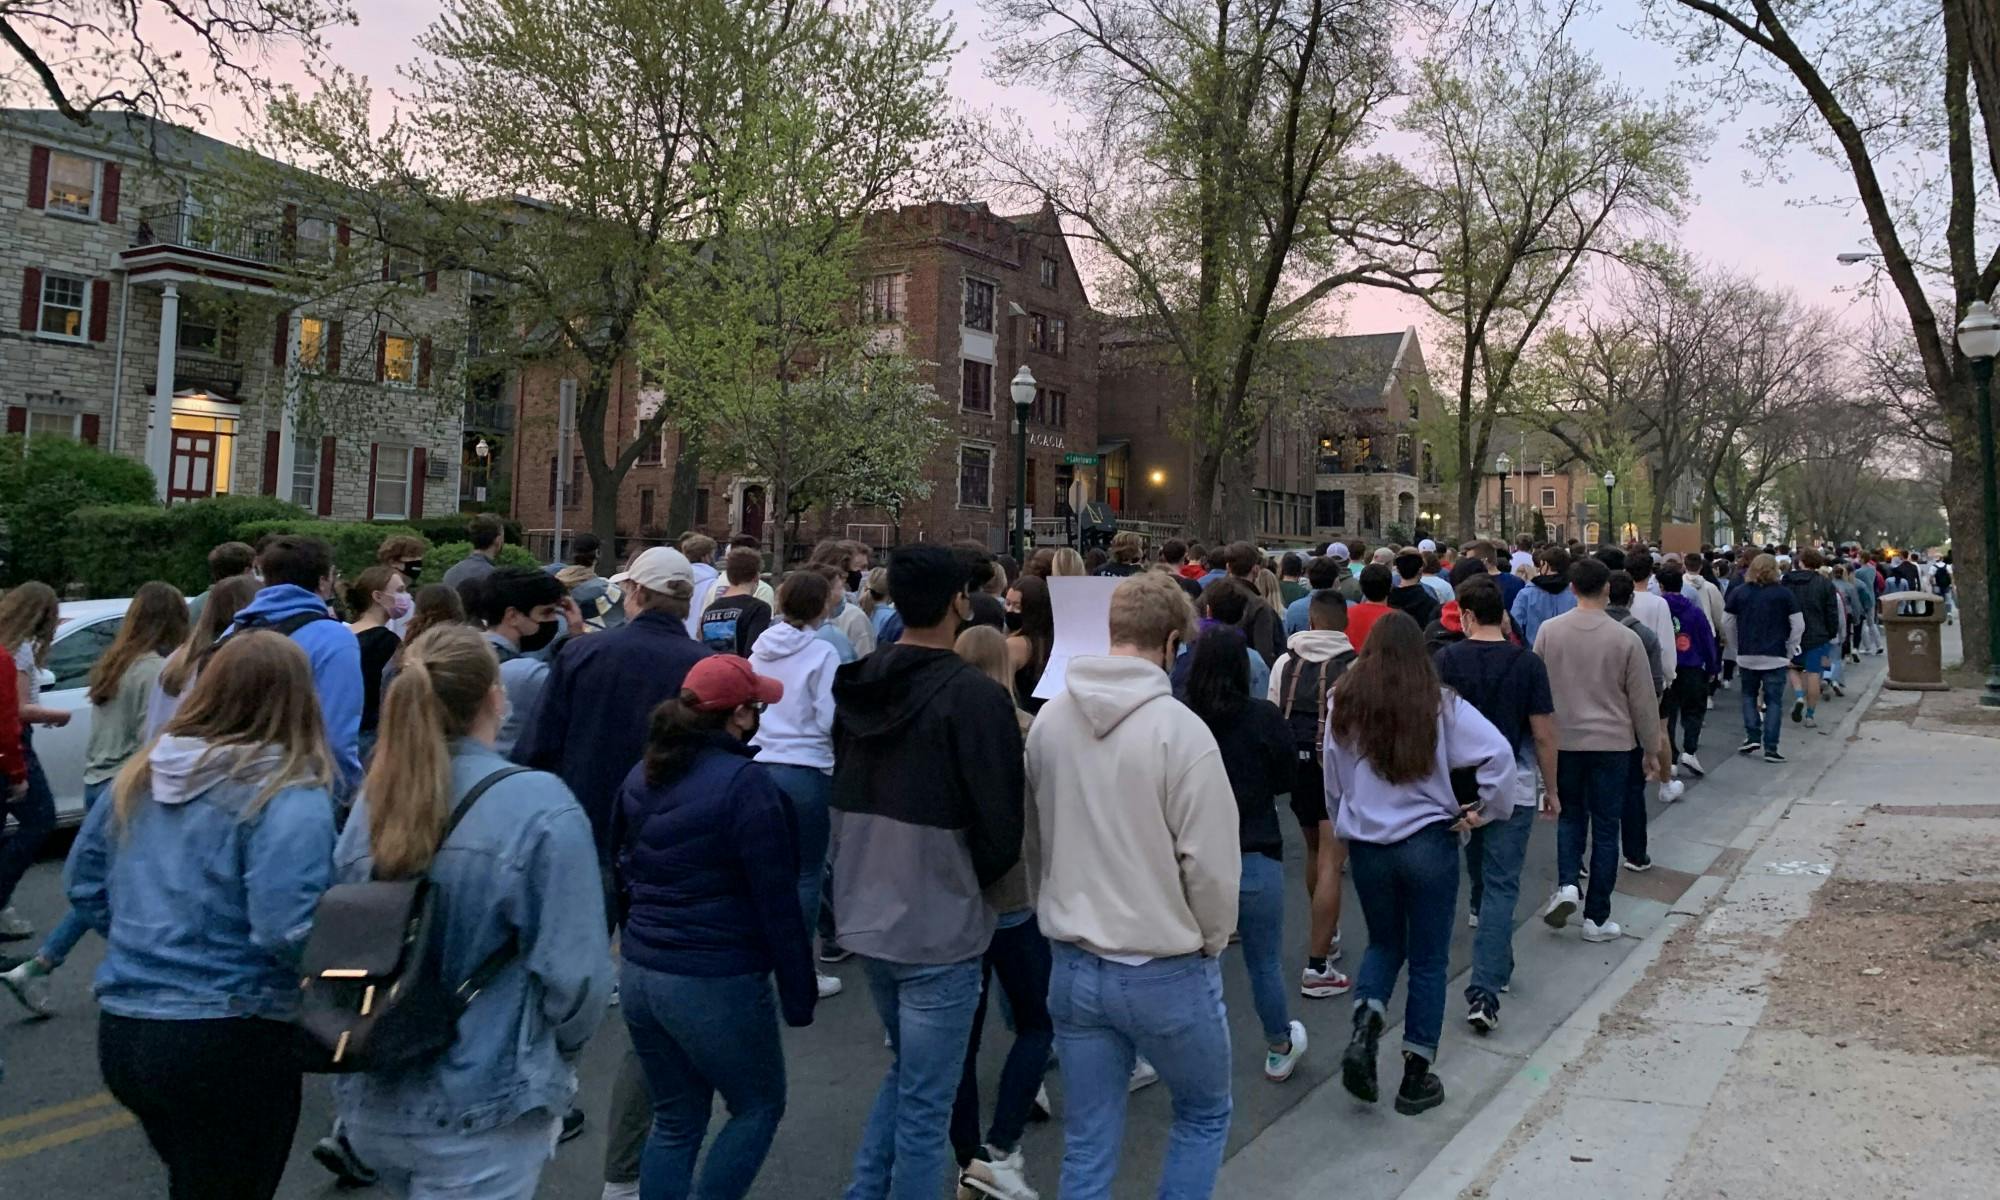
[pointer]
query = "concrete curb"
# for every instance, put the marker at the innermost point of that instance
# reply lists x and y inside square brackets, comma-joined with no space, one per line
[1465,1158]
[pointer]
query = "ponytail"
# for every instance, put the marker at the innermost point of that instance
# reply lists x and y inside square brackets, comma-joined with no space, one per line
[435,696]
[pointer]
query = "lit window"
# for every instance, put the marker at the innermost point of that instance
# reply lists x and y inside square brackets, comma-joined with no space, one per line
[883,298]
[312,344]
[72,185]
[979,296]
[62,306]
[975,477]
[399,359]
[305,471]
[392,482]
[976,387]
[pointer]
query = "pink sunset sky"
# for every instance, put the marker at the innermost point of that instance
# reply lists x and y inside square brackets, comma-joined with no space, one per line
[1742,223]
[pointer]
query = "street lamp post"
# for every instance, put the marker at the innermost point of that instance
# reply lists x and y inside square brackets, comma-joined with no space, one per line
[1979,341]
[1610,510]
[1023,391]
[1503,464]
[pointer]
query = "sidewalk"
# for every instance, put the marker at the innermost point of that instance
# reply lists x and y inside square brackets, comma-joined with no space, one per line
[1824,1022]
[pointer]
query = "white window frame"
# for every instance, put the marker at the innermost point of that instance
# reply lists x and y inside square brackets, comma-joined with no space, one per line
[326,240]
[305,469]
[992,374]
[75,420]
[82,308]
[386,453]
[896,310]
[993,310]
[96,187]
[958,482]
[1548,497]
[389,360]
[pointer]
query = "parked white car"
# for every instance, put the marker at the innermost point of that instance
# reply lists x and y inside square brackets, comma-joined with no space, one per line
[84,631]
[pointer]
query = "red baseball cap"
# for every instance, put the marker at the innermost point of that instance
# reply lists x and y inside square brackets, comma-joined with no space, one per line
[724,681]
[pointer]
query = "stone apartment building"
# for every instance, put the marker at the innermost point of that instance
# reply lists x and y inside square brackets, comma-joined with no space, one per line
[157,328]
[1344,459]
[972,293]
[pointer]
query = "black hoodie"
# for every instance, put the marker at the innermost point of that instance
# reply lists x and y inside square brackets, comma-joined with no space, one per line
[1415,599]
[927,789]
[1821,607]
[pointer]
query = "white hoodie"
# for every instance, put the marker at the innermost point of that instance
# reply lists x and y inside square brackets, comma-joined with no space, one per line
[1131,842]
[1312,645]
[798,730]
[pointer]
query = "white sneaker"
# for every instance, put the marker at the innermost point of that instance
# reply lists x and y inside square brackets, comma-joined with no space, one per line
[1672,790]
[1004,1176]
[14,926]
[1278,1067]
[829,985]
[1143,1075]
[1693,764]
[30,984]
[1566,900]
[1607,932]
[621,1191]
[1472,919]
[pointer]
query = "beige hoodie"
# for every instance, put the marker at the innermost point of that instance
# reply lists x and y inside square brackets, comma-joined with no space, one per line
[1131,838]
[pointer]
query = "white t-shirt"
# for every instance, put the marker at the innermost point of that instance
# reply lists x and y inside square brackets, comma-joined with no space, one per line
[24,662]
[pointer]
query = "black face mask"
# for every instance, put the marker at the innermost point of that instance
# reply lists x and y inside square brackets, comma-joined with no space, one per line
[854,581]
[543,635]
[413,569]
[1014,621]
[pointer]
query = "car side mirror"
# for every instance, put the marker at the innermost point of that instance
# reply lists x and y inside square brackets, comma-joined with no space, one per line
[44,678]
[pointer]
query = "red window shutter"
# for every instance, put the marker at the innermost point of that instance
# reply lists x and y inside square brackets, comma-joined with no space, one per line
[419,461]
[31,298]
[374,452]
[430,281]
[326,446]
[38,177]
[424,362]
[107,205]
[17,419]
[334,333]
[281,345]
[91,429]
[270,462]
[341,234]
[381,356]
[100,308]
[385,266]
[289,239]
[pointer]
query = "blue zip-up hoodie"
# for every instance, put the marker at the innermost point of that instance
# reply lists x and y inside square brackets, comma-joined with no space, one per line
[520,866]
[203,911]
[1543,597]
[336,668]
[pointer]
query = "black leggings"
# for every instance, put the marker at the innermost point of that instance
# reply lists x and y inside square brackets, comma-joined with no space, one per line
[218,1099]
[1685,706]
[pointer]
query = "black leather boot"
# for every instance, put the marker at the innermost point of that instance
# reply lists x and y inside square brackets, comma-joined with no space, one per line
[1357,1066]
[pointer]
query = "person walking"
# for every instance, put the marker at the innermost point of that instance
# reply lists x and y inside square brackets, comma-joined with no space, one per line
[1323,574]
[1509,686]
[1821,610]
[732,621]
[1620,591]
[488,535]
[794,738]
[379,597]
[1601,677]
[202,874]
[1263,622]
[1031,634]
[1546,595]
[155,624]
[229,560]
[524,612]
[1257,755]
[1374,582]
[1410,596]
[927,813]
[708,869]
[518,908]
[298,581]
[28,617]
[1770,629]
[1313,662]
[177,674]
[1697,666]
[1134,851]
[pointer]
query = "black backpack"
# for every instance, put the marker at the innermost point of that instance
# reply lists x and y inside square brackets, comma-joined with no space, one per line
[373,997]
[287,625]
[1316,680]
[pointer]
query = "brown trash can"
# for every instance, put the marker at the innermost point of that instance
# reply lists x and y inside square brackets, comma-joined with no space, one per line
[1913,623]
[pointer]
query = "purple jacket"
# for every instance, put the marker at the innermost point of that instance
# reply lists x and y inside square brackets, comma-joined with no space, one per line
[1694,638]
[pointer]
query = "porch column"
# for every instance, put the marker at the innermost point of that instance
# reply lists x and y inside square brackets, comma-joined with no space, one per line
[288,416]
[159,428]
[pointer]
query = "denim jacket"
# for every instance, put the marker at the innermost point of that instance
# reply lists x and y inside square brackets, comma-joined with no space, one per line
[203,912]
[521,865]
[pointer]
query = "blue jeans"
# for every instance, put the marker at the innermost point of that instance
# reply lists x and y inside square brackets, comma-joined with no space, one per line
[810,790]
[1019,960]
[927,1010]
[696,1037]
[35,818]
[1260,918]
[1771,684]
[1170,1010]
[496,1164]
[70,930]
[1503,848]
[1409,896]
[1592,785]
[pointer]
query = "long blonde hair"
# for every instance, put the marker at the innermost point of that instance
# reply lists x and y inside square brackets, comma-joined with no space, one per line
[447,672]
[1267,587]
[155,623]
[986,648]
[1067,562]
[28,614]
[255,703]
[218,613]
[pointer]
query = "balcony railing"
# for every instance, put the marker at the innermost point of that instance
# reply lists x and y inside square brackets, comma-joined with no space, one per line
[213,374]
[187,227]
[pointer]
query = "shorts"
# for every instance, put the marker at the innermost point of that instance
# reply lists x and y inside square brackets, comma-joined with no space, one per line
[1813,658]
[1309,793]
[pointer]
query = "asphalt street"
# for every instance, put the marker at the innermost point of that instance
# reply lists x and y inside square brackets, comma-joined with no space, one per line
[62,1136]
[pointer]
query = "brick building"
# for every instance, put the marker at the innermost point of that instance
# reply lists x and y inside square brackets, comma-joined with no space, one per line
[112,237]
[976,295]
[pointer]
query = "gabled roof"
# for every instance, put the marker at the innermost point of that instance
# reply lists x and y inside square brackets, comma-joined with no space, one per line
[1357,367]
[127,135]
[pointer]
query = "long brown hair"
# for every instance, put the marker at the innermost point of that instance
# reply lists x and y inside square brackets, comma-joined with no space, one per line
[218,613]
[446,675]
[253,702]
[435,605]
[28,614]
[155,623]
[1385,707]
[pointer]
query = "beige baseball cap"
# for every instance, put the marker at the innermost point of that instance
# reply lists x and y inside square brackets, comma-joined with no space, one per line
[656,568]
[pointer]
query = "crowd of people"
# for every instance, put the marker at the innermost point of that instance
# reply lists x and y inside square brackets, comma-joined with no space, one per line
[689,788]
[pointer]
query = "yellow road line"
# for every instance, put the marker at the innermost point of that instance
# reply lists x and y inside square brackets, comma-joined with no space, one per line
[55,1112]
[62,1137]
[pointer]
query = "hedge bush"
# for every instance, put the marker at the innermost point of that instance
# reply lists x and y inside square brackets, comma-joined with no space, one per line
[439,531]
[42,486]
[444,558]
[354,542]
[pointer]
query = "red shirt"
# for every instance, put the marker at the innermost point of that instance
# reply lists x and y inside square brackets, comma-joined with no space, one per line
[1361,618]
[13,762]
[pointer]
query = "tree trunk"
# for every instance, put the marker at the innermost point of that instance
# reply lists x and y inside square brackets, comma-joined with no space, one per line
[1968,547]
[686,485]
[779,500]
[1658,516]
[1204,519]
